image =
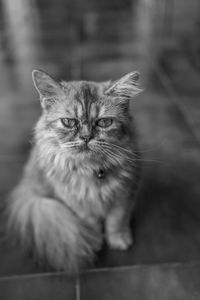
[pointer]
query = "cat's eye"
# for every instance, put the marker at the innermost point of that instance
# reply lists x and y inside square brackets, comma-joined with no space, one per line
[69,123]
[104,122]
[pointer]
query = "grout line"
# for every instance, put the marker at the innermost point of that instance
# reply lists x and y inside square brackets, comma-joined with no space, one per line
[36,275]
[133,267]
[78,288]
[106,269]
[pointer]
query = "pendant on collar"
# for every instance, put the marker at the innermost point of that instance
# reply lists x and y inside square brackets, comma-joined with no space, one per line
[101,174]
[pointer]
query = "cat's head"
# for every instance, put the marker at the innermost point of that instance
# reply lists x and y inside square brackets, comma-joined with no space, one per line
[87,119]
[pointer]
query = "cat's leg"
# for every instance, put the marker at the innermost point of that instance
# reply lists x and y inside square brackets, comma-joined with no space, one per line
[117,226]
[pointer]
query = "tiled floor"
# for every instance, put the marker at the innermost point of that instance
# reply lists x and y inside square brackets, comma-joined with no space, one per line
[153,282]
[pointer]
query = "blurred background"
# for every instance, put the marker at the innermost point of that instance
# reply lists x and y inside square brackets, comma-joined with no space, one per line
[94,40]
[101,40]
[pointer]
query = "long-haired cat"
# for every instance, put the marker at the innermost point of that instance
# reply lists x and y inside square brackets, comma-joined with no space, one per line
[82,173]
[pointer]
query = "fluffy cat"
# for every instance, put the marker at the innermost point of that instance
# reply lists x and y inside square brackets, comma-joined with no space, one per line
[82,173]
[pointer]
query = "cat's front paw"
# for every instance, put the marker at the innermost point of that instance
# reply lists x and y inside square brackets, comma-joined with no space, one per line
[120,240]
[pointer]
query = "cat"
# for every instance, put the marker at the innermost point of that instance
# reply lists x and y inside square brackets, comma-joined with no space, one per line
[80,181]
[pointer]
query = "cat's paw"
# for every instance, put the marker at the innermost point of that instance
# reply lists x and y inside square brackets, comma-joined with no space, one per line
[120,240]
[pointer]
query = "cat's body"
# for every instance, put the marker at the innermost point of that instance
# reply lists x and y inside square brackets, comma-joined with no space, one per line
[82,172]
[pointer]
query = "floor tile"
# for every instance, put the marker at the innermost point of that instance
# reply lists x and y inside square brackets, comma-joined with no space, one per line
[166,282]
[46,287]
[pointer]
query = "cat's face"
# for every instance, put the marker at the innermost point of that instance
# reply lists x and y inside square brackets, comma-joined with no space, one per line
[87,118]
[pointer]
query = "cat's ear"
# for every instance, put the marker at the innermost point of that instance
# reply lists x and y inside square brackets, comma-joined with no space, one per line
[48,89]
[126,87]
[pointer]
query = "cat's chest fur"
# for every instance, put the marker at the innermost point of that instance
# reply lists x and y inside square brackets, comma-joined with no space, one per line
[88,193]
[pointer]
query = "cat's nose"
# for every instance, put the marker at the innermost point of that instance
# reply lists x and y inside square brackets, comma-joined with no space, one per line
[85,133]
[85,138]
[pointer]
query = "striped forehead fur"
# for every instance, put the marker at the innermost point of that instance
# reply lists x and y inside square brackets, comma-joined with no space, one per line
[90,98]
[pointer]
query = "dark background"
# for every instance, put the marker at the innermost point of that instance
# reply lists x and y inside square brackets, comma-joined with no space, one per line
[101,40]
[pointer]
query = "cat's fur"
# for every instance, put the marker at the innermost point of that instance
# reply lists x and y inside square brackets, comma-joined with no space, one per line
[61,202]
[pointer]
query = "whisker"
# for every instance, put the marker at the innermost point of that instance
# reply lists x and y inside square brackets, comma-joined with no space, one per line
[112,157]
[70,145]
[132,153]
[128,155]
[132,157]
[108,153]
[117,146]
[146,160]
[120,158]
[120,151]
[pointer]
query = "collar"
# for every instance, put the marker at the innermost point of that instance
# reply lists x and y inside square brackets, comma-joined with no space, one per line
[101,174]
